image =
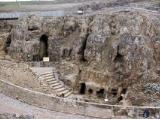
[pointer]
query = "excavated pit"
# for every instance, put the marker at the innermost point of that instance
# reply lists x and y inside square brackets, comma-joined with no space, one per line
[108,55]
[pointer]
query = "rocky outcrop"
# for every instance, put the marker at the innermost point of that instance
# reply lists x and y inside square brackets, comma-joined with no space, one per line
[5,28]
[117,52]
[14,116]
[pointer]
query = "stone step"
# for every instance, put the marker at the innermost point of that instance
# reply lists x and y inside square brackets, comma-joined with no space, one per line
[63,91]
[58,86]
[46,73]
[52,82]
[48,77]
[55,84]
[51,74]
[68,93]
[59,89]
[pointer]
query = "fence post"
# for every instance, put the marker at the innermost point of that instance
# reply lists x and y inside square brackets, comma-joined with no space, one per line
[112,108]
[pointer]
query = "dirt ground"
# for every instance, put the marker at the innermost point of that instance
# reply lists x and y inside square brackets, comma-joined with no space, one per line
[11,106]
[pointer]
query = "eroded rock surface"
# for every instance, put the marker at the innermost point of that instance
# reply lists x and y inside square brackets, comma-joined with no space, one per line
[14,116]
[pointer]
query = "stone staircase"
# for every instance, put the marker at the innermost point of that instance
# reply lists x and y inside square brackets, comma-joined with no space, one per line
[49,78]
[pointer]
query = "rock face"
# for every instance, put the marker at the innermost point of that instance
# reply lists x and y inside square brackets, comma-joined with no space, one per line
[5,27]
[115,53]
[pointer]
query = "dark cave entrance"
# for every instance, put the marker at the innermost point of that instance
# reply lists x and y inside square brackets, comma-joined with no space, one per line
[90,91]
[43,46]
[124,90]
[114,92]
[7,44]
[82,49]
[101,93]
[119,99]
[82,88]
[119,57]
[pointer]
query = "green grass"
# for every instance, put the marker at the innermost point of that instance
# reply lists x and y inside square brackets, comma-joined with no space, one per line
[2,4]
[40,2]
[9,5]
[16,6]
[36,2]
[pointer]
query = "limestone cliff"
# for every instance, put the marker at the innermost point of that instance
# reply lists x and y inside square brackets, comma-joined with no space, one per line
[115,51]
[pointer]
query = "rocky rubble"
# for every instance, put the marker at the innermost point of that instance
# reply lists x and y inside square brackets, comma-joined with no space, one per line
[14,116]
[5,28]
[19,74]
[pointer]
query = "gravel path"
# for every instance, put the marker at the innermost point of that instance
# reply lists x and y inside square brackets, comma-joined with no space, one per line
[11,106]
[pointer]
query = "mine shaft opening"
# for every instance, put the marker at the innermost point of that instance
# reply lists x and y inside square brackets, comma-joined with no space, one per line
[101,93]
[82,88]
[43,46]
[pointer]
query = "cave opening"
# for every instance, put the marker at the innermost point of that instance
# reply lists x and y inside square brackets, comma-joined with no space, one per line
[119,99]
[90,91]
[82,49]
[124,90]
[119,57]
[114,92]
[82,88]
[43,46]
[7,44]
[101,93]
[64,53]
